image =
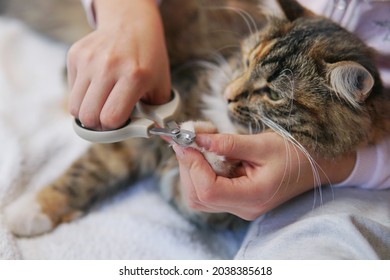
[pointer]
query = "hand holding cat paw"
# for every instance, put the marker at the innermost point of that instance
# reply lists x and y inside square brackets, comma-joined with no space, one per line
[273,171]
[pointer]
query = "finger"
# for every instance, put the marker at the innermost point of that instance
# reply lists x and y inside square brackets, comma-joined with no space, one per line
[187,188]
[77,94]
[233,146]
[211,189]
[71,70]
[120,103]
[92,104]
[236,198]
[71,74]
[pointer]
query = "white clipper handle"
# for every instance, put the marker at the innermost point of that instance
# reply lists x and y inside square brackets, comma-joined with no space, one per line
[143,118]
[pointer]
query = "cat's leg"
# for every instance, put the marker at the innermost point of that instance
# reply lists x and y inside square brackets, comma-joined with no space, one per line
[101,170]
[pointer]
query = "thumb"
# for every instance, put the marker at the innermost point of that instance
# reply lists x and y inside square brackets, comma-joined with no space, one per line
[194,166]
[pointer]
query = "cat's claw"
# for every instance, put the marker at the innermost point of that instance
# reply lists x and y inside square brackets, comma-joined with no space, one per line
[24,217]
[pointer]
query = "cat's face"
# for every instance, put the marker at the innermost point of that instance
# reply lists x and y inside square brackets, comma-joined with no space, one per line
[308,78]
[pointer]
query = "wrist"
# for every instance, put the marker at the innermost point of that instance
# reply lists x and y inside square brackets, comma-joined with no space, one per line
[338,170]
[109,13]
[372,168]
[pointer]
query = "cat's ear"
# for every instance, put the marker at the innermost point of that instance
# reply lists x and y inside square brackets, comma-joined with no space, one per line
[285,9]
[350,81]
[293,10]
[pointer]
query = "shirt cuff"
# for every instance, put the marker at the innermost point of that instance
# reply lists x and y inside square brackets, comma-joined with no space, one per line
[90,12]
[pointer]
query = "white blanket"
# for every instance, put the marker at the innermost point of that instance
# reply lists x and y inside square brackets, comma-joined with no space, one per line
[37,143]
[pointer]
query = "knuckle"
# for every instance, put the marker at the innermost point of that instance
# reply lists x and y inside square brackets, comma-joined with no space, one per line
[109,61]
[73,52]
[138,75]
[78,53]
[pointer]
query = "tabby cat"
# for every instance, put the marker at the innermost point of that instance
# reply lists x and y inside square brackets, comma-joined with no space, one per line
[296,73]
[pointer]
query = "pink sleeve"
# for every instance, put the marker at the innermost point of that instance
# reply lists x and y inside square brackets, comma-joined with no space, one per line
[90,11]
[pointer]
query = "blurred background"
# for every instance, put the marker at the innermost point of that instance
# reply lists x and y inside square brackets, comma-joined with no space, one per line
[61,20]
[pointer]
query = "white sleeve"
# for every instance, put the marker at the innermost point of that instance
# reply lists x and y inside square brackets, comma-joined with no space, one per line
[90,11]
[372,169]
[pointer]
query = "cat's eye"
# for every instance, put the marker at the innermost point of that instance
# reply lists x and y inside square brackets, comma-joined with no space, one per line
[274,96]
[271,94]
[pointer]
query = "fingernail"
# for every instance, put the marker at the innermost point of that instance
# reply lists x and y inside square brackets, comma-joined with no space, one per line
[179,151]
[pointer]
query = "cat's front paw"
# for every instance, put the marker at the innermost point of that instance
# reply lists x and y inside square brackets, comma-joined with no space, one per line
[25,218]
[219,163]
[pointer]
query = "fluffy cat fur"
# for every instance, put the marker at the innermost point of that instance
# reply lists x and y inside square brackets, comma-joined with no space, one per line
[296,73]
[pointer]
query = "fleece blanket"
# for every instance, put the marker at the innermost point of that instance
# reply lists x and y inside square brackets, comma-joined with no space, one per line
[37,143]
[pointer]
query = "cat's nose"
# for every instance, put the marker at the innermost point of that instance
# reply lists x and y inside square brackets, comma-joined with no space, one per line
[230,101]
[230,94]
[235,90]
[234,94]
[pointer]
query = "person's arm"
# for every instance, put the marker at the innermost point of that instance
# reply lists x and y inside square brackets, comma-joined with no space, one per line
[122,60]
[90,11]
[372,169]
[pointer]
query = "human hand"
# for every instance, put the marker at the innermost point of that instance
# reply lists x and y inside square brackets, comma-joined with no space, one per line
[273,171]
[122,61]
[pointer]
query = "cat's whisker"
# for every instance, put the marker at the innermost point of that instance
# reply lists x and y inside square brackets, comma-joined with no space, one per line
[225,71]
[226,31]
[259,127]
[185,66]
[228,47]
[290,83]
[286,167]
[219,58]
[249,21]
[286,135]
[250,128]
[258,123]
[207,65]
